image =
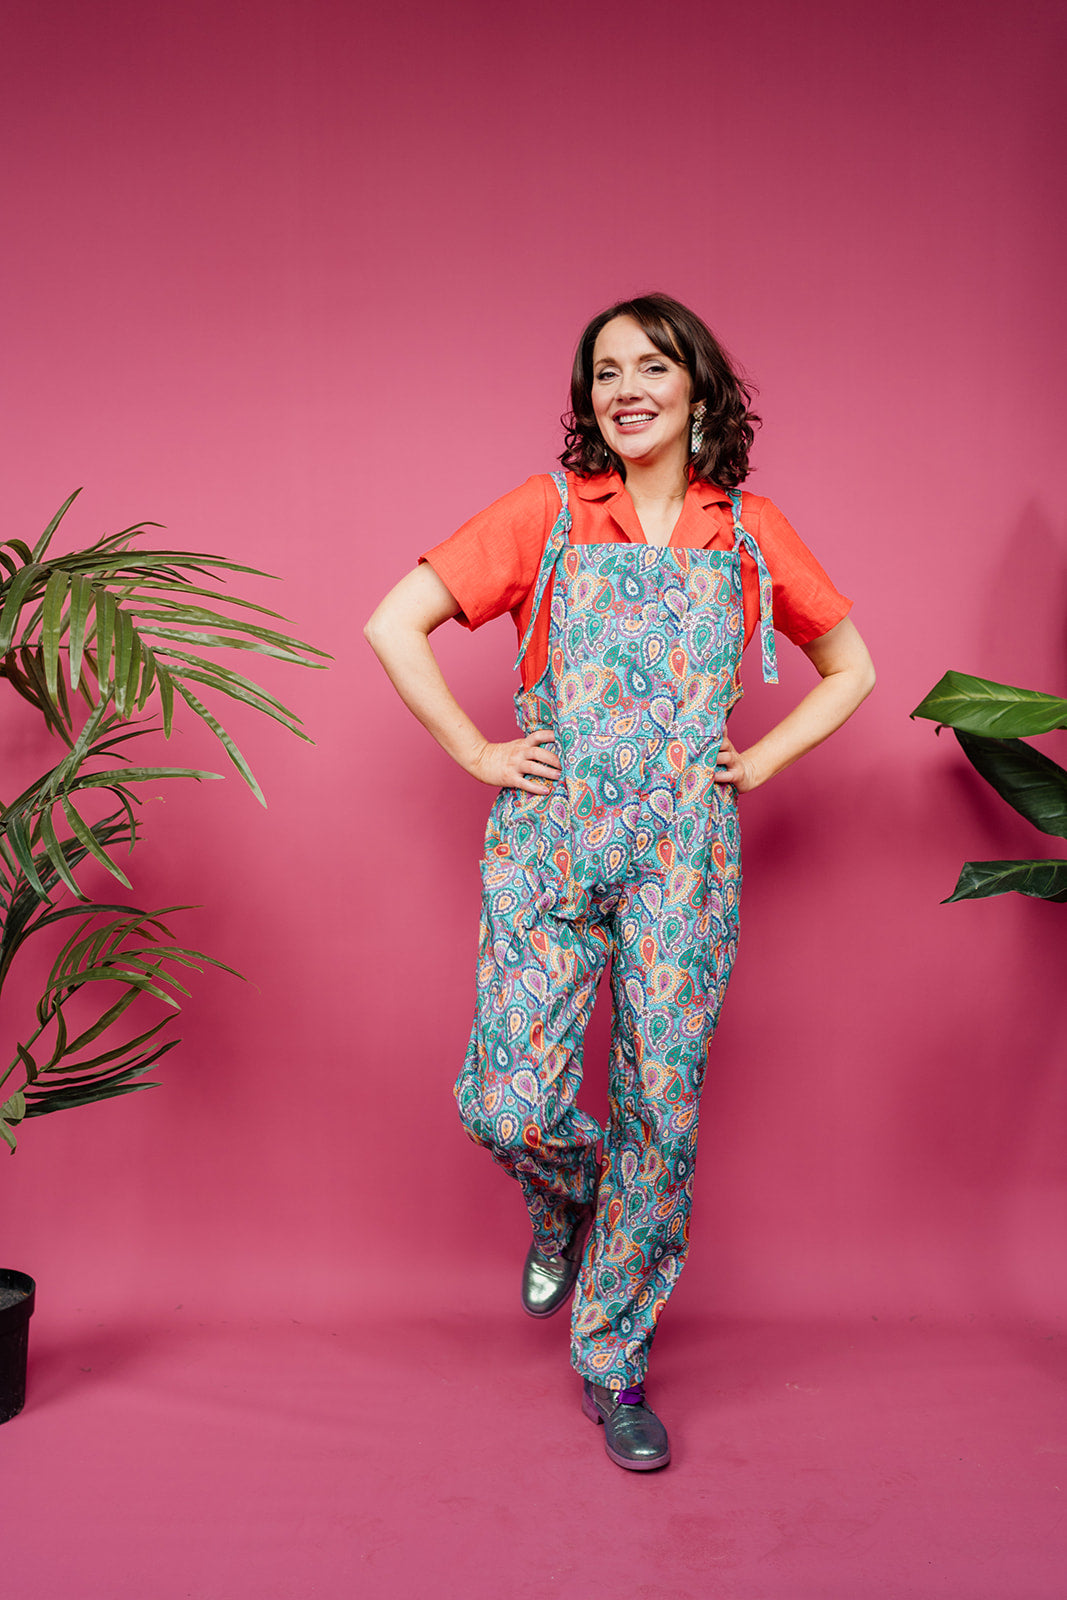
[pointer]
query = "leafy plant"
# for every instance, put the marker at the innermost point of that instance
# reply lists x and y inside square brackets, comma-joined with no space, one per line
[97,636]
[988,720]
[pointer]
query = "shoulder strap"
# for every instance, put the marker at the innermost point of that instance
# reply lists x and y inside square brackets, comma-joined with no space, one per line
[555,544]
[744,540]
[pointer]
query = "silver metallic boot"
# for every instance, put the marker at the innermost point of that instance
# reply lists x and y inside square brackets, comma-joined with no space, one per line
[634,1437]
[547,1281]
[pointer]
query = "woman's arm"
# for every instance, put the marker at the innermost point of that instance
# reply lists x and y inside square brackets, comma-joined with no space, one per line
[398,633]
[840,657]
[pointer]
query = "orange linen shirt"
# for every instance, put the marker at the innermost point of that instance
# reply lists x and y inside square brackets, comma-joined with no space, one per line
[490,565]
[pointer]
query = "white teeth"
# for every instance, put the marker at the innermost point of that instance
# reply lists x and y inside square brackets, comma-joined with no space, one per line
[636,416]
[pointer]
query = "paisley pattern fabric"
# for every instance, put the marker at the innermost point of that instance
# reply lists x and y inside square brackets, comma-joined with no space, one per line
[635,857]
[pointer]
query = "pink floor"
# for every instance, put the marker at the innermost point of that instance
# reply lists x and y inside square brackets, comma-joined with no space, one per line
[443,1454]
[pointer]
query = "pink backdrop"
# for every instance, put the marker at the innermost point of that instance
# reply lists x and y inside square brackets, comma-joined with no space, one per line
[302,282]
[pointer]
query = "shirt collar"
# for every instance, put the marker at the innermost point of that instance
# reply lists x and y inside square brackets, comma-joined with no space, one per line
[609,485]
[702,519]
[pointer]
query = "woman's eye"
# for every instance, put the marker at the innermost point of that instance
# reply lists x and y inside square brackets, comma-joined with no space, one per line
[655,366]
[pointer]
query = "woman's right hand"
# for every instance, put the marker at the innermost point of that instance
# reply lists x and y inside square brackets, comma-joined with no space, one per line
[521,764]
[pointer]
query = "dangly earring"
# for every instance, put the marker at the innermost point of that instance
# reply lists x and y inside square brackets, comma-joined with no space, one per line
[696,430]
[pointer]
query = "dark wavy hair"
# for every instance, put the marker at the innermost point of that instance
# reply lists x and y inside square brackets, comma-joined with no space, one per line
[729,426]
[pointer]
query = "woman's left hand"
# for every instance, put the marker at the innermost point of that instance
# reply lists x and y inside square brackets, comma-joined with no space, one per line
[733,768]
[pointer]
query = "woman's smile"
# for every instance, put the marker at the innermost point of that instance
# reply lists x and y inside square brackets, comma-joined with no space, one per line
[632,420]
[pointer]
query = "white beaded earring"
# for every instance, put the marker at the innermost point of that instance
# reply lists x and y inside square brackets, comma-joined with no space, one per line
[696,431]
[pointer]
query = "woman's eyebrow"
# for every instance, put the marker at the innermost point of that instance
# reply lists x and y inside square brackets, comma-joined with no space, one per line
[646,355]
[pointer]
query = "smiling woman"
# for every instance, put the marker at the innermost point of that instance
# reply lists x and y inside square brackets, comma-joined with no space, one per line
[635,579]
[717,398]
[642,398]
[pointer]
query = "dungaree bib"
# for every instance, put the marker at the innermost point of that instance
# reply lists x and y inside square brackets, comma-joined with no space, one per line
[634,855]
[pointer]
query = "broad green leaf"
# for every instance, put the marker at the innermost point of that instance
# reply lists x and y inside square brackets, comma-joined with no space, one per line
[123,775]
[89,671]
[133,672]
[81,599]
[148,677]
[14,1108]
[224,739]
[57,855]
[1028,780]
[28,1062]
[105,633]
[236,690]
[123,652]
[64,704]
[7,1136]
[979,705]
[46,538]
[82,830]
[55,596]
[67,1099]
[128,565]
[55,1088]
[35,678]
[196,616]
[20,844]
[17,590]
[191,665]
[119,1049]
[105,1021]
[160,594]
[218,641]
[140,978]
[79,1073]
[1043,880]
[166,697]
[59,1049]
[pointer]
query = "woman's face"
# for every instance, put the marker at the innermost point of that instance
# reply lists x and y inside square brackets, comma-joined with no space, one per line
[641,398]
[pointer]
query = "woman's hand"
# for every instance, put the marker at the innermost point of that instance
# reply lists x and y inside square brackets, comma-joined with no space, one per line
[733,768]
[521,764]
[841,660]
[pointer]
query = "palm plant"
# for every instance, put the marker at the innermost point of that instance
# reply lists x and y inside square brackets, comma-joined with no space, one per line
[90,639]
[989,719]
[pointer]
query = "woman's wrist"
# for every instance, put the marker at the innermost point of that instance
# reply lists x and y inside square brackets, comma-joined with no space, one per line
[754,773]
[473,759]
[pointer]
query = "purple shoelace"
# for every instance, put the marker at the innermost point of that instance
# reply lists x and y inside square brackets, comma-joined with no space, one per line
[634,1396]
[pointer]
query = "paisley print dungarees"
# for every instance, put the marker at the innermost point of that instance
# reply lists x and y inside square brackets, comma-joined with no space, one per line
[633,856]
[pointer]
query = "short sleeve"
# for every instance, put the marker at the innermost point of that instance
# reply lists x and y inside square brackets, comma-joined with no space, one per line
[806,603]
[490,565]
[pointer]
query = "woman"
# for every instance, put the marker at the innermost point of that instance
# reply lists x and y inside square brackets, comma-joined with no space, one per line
[634,579]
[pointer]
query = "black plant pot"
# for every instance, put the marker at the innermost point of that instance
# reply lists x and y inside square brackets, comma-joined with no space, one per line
[17,1293]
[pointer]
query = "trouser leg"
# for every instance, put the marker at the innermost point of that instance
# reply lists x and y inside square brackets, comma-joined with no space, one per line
[537,981]
[675,938]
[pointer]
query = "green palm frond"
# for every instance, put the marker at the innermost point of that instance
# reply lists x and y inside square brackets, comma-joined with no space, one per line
[27,825]
[120,629]
[118,624]
[122,946]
